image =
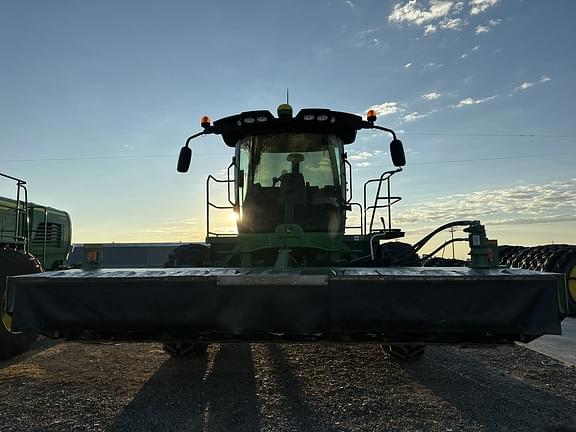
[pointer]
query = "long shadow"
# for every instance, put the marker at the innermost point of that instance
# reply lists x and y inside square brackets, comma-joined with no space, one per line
[490,398]
[178,397]
[230,391]
[38,346]
[301,414]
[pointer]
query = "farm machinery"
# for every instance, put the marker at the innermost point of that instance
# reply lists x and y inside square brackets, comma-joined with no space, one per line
[293,272]
[33,237]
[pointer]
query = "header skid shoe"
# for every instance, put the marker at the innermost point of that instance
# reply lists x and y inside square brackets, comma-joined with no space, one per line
[403,305]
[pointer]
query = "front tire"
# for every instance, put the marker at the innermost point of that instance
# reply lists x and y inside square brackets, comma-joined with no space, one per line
[13,263]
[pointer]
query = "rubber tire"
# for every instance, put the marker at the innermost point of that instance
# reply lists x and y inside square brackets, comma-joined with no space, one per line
[404,352]
[185,349]
[397,254]
[189,255]
[557,258]
[444,262]
[505,252]
[12,263]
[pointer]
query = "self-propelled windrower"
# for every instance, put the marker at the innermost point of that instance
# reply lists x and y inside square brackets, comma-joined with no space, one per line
[296,270]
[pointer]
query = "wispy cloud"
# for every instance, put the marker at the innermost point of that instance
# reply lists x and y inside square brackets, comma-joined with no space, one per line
[534,203]
[526,85]
[479,6]
[412,12]
[408,65]
[350,4]
[429,29]
[481,29]
[470,101]
[453,23]
[362,158]
[368,37]
[415,116]
[431,96]
[386,108]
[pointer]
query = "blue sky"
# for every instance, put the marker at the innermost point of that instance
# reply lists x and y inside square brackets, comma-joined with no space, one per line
[97,97]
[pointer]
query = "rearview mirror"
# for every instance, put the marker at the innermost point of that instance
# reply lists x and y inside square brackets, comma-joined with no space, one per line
[184,159]
[397,153]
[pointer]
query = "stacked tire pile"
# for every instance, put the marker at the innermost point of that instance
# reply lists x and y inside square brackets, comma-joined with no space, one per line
[556,258]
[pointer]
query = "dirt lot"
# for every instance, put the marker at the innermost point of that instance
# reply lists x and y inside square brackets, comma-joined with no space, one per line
[125,387]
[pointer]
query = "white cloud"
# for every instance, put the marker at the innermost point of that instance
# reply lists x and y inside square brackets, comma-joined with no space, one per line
[534,203]
[479,6]
[408,65]
[431,96]
[349,3]
[433,66]
[475,48]
[415,116]
[495,22]
[453,23]
[412,12]
[482,29]
[429,29]
[471,101]
[386,108]
[524,86]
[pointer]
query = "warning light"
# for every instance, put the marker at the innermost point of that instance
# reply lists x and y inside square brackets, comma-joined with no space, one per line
[371,116]
[205,122]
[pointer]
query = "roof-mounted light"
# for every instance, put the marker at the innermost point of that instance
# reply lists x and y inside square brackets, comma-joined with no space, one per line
[249,120]
[309,117]
[261,119]
[205,122]
[371,116]
[322,117]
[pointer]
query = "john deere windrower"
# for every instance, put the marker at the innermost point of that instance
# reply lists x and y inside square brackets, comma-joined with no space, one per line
[308,262]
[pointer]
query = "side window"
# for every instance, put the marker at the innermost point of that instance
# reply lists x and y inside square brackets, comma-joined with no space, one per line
[244,167]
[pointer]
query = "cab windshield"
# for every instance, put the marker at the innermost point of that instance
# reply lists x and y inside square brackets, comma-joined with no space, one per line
[290,178]
[265,158]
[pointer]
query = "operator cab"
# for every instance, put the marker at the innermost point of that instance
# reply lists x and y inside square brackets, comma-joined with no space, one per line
[290,178]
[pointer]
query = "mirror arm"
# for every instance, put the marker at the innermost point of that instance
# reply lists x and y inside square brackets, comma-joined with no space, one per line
[390,131]
[196,135]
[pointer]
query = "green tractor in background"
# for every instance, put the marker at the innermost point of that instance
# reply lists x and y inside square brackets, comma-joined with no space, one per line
[33,238]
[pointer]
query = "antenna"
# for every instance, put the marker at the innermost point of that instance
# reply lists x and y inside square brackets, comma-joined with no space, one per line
[287,96]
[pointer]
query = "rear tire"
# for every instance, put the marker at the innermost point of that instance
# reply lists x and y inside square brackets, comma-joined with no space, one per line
[13,263]
[404,352]
[397,254]
[444,262]
[189,255]
[185,349]
[557,258]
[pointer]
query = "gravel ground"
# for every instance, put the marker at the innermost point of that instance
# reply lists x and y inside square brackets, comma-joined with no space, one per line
[136,387]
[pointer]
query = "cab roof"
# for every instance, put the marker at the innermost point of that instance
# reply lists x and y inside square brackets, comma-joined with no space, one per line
[312,120]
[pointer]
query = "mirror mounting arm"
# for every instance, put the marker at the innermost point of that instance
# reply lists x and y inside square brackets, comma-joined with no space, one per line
[186,153]
[390,131]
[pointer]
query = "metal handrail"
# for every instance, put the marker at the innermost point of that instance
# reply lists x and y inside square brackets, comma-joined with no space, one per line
[361,226]
[21,211]
[210,204]
[391,200]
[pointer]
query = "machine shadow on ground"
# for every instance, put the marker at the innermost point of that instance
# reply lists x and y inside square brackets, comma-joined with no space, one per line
[211,394]
[40,345]
[487,396]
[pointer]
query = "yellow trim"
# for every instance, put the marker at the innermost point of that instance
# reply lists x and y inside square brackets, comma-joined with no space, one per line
[572,283]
